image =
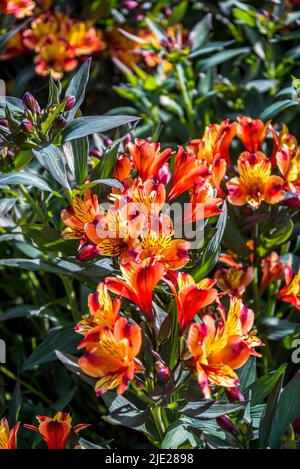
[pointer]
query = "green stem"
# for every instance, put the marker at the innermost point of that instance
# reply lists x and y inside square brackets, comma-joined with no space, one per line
[190,113]
[39,213]
[68,284]
[12,376]
[158,419]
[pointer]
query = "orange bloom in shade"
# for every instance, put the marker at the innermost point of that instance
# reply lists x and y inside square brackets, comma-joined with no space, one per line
[290,293]
[56,431]
[203,203]
[255,182]
[103,314]
[121,47]
[235,279]
[77,215]
[147,158]
[252,132]
[112,359]
[140,281]
[272,270]
[191,297]
[221,347]
[19,8]
[288,162]
[187,170]
[8,438]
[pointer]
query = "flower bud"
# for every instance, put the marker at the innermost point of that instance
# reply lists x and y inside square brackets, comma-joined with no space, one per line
[163,373]
[227,425]
[130,4]
[88,252]
[234,395]
[60,122]
[4,122]
[31,103]
[70,102]
[96,153]
[27,126]
[164,174]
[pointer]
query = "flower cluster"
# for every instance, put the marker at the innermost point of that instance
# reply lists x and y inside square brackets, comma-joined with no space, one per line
[18,8]
[57,41]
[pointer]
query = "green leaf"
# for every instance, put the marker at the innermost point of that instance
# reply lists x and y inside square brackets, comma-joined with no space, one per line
[278,329]
[178,435]
[25,178]
[48,239]
[76,152]
[275,234]
[223,56]
[6,204]
[212,250]
[264,385]
[209,408]
[51,158]
[178,12]
[157,31]
[275,108]
[200,31]
[15,404]
[71,363]
[64,339]
[77,87]
[266,422]
[247,374]
[24,311]
[84,126]
[288,409]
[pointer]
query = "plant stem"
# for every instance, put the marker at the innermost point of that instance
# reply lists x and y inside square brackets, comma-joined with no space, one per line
[12,376]
[39,213]
[157,416]
[68,284]
[190,113]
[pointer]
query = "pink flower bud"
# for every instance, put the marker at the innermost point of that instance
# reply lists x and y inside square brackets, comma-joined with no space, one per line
[164,174]
[4,122]
[163,373]
[70,102]
[234,395]
[226,424]
[60,123]
[130,4]
[31,103]
[88,252]
[28,126]
[96,153]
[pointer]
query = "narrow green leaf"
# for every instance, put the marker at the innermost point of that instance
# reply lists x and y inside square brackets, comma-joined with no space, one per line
[25,178]
[51,158]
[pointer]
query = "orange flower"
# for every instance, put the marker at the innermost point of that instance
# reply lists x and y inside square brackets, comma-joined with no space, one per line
[103,314]
[203,203]
[59,41]
[14,47]
[147,158]
[77,215]
[288,160]
[56,431]
[290,293]
[219,348]
[252,132]
[8,438]
[191,297]
[255,182]
[187,170]
[121,47]
[112,359]
[122,168]
[19,8]
[272,270]
[140,281]
[235,279]
[214,148]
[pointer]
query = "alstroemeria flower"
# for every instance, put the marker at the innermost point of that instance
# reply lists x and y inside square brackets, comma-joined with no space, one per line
[56,431]
[188,168]
[214,148]
[252,132]
[288,162]
[8,438]
[77,215]
[104,312]
[147,157]
[203,203]
[191,297]
[234,279]
[255,182]
[272,270]
[140,281]
[290,293]
[112,359]
[19,8]
[219,348]
[122,168]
